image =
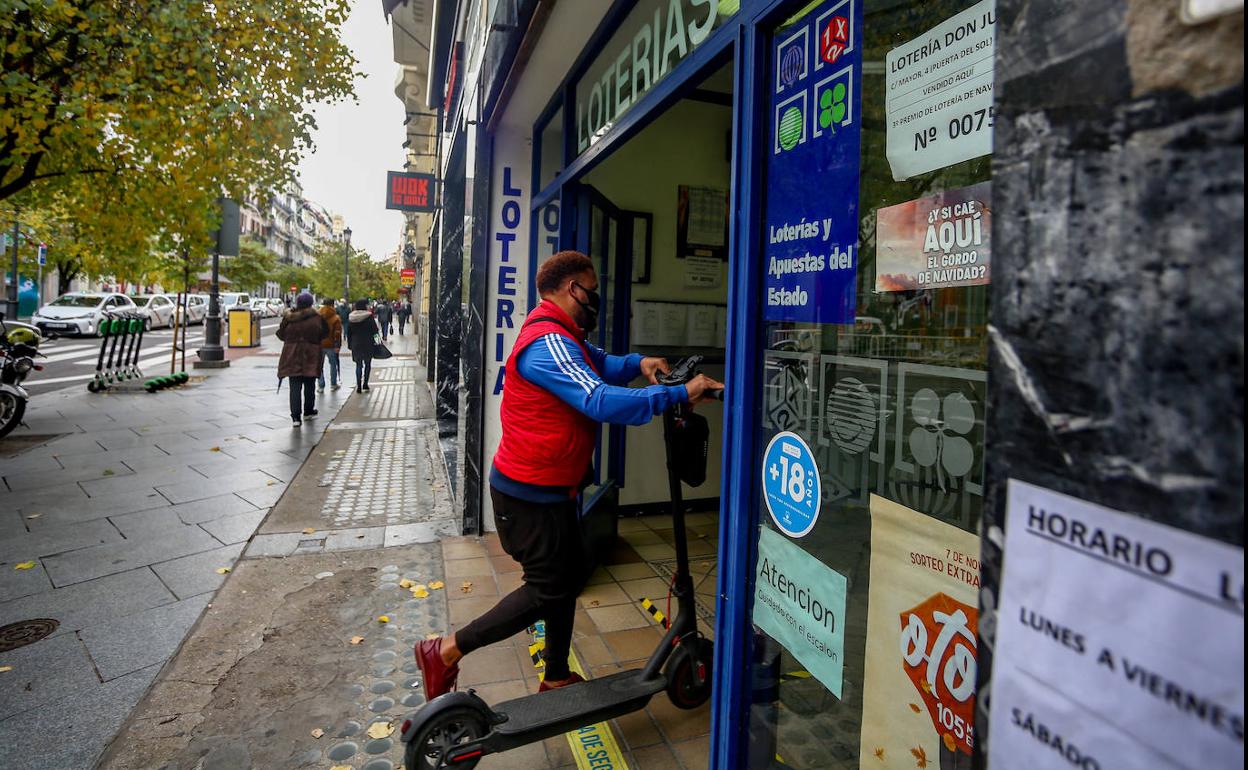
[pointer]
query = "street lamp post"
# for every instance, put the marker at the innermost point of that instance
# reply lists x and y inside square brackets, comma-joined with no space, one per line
[346,264]
[212,355]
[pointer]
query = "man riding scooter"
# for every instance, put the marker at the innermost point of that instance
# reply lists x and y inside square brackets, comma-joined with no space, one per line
[557,390]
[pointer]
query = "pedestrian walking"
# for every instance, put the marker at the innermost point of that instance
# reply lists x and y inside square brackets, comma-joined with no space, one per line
[330,345]
[344,310]
[301,332]
[385,314]
[362,331]
[405,312]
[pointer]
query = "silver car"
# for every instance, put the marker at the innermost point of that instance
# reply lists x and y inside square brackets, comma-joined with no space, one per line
[196,310]
[78,312]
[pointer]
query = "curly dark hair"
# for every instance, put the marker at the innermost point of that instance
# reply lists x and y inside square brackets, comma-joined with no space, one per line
[559,268]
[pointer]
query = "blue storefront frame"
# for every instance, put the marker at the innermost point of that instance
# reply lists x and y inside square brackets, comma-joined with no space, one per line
[743,39]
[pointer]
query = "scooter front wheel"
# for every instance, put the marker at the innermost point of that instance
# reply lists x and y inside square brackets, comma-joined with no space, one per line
[689,674]
[12,408]
[434,740]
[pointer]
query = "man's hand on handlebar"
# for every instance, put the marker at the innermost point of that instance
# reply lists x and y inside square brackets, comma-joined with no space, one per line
[653,366]
[702,388]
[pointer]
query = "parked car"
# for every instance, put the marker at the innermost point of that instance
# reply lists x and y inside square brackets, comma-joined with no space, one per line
[230,300]
[156,309]
[78,312]
[276,307]
[196,310]
[263,306]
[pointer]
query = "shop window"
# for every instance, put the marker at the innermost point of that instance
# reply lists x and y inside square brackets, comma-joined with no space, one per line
[876,268]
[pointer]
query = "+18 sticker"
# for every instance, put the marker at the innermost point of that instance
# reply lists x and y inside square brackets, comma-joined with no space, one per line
[791,486]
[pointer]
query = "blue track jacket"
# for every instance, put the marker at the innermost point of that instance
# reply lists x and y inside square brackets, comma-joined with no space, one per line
[558,365]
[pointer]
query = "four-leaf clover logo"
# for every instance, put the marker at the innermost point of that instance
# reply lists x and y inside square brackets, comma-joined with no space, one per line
[938,441]
[832,106]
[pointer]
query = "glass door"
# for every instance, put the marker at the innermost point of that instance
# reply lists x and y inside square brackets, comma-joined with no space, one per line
[875,267]
[602,235]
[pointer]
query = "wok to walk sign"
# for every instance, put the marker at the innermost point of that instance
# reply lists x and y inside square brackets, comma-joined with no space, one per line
[406,191]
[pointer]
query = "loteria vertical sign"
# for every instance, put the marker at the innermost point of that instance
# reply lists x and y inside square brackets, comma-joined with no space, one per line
[409,191]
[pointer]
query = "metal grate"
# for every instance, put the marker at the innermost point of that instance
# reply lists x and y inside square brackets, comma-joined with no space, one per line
[25,632]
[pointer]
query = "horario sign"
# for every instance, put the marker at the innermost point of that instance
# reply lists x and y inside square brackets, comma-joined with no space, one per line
[409,191]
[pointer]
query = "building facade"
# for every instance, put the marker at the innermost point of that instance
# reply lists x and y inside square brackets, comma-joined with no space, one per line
[289,225]
[973,274]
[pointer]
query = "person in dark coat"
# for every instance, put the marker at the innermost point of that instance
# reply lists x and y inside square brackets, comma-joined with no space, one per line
[405,312]
[301,331]
[344,309]
[385,314]
[362,333]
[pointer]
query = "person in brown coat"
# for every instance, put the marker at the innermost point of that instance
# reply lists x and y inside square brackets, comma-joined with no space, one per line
[330,345]
[301,331]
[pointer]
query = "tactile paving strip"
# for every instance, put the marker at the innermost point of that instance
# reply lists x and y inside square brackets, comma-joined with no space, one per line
[377,480]
[393,402]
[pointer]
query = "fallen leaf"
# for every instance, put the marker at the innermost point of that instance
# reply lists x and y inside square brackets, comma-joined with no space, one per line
[34,515]
[950,743]
[317,733]
[214,449]
[5,668]
[309,530]
[270,482]
[420,593]
[431,637]
[340,767]
[915,708]
[108,472]
[405,583]
[594,603]
[25,565]
[920,757]
[223,570]
[466,587]
[879,753]
[437,585]
[356,639]
[925,685]
[383,618]
[380,729]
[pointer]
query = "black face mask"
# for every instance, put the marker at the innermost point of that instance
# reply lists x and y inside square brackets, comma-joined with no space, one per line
[589,306]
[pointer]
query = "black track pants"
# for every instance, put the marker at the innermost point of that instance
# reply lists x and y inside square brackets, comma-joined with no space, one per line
[546,539]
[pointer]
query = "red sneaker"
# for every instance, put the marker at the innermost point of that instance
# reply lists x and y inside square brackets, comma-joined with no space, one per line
[574,679]
[438,678]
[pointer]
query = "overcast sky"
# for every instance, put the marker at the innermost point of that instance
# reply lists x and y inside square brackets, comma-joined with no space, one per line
[358,142]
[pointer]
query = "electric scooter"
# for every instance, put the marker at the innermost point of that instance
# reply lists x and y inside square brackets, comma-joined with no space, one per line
[458,728]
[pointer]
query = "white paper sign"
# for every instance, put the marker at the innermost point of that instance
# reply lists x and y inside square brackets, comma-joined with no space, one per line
[703,272]
[1120,642]
[938,101]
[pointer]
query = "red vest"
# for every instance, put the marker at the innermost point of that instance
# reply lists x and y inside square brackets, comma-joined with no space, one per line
[545,441]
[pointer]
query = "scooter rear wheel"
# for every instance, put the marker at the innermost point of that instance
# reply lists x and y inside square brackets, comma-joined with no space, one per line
[683,689]
[429,746]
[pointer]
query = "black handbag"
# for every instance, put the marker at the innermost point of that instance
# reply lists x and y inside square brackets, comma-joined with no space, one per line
[381,351]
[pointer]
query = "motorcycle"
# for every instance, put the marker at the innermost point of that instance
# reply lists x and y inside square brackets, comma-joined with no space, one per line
[19,344]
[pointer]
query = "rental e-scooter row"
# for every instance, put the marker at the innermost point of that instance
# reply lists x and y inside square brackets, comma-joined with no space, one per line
[458,728]
[124,330]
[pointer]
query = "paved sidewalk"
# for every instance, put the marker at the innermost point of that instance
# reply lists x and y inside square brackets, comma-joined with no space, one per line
[127,507]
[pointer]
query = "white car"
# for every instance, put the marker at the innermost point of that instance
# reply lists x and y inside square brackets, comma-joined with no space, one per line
[229,300]
[156,309]
[196,310]
[261,305]
[276,307]
[78,312]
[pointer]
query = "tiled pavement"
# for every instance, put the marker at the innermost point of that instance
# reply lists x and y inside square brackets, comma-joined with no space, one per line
[612,633]
[128,505]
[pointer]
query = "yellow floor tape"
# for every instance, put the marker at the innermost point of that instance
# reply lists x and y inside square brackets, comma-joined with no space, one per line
[593,746]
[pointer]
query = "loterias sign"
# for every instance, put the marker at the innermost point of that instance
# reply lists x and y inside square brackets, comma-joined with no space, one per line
[407,191]
[652,40]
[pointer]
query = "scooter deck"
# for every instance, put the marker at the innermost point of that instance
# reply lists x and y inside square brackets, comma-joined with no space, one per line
[579,704]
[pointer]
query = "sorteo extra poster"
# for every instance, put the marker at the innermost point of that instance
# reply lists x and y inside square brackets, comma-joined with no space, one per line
[935,242]
[918,697]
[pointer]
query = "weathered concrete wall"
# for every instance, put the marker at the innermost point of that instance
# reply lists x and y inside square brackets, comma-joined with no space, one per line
[1117,308]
